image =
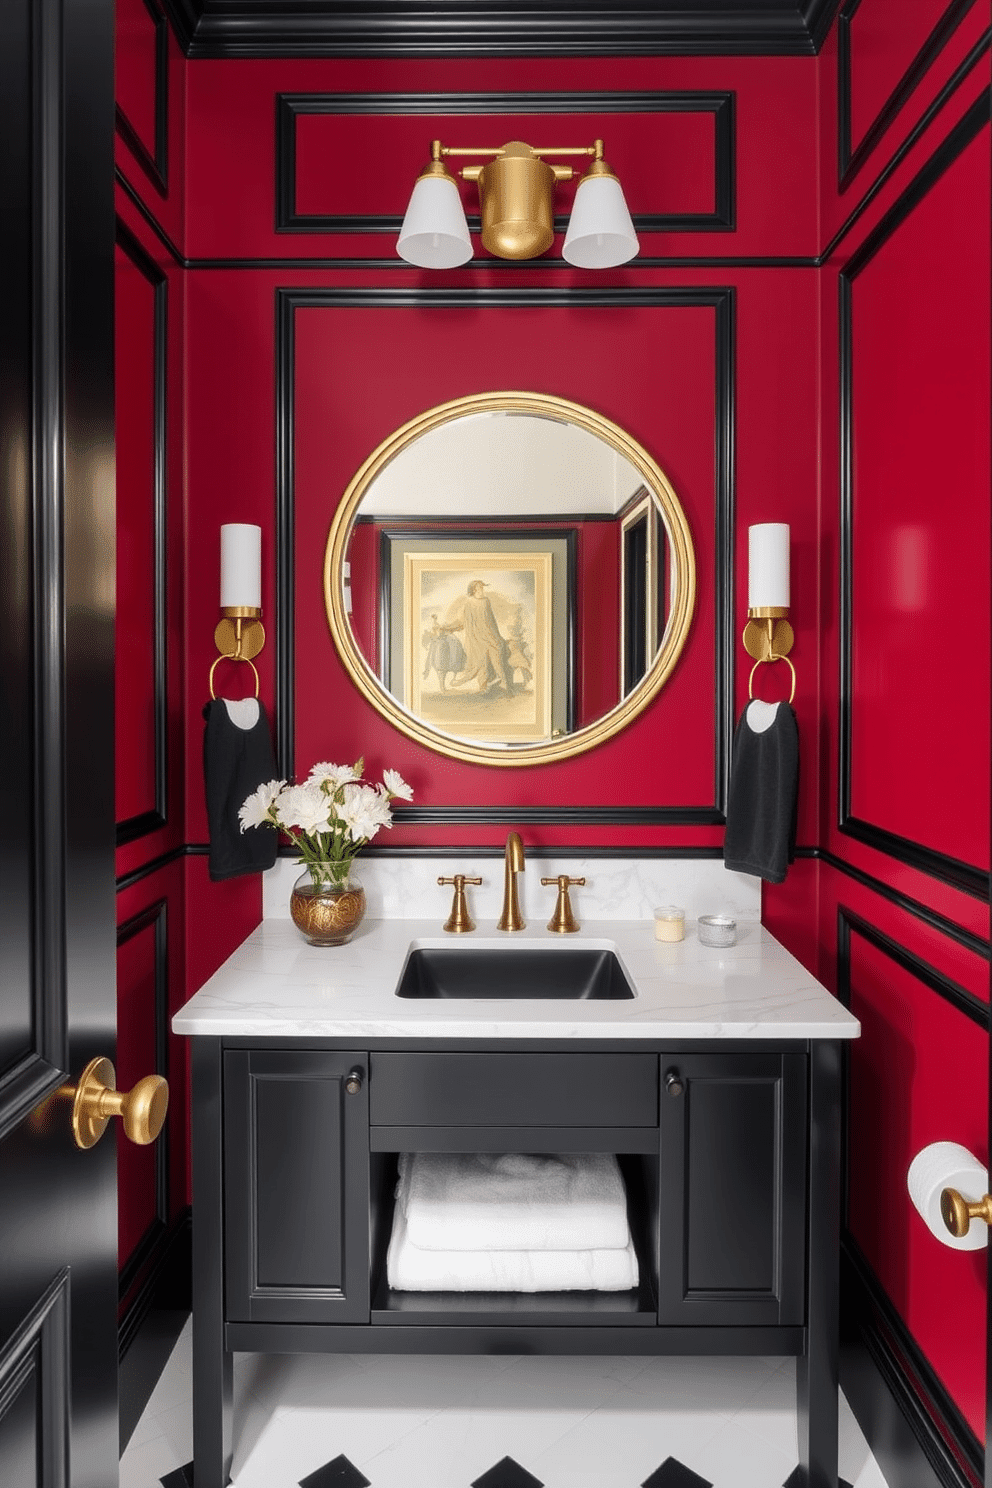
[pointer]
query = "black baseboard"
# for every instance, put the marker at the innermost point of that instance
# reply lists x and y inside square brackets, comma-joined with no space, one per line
[915,1432]
[151,1323]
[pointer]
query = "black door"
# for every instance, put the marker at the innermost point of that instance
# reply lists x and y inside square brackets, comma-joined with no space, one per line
[58,1291]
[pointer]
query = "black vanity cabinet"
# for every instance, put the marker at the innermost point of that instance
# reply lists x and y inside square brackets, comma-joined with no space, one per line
[730,1153]
[296,1186]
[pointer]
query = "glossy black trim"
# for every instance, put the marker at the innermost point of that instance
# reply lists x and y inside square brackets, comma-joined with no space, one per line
[136,201]
[154,917]
[723,302]
[151,1323]
[922,124]
[558,816]
[39,1346]
[967,877]
[493,850]
[917,1435]
[155,865]
[851,158]
[154,161]
[959,997]
[158,816]
[289,106]
[486,265]
[584,28]
[923,912]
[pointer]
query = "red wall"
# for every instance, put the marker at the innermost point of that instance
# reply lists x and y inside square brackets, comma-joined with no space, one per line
[904,708]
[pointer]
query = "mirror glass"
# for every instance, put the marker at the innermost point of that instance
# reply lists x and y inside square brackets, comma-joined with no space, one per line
[510,578]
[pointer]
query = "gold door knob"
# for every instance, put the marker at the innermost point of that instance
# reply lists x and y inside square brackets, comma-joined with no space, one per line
[957,1212]
[95,1100]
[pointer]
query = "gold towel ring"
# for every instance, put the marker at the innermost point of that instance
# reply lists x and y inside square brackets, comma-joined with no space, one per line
[245,659]
[750,680]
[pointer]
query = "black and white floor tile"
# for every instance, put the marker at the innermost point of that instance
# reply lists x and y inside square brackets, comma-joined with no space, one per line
[330,1421]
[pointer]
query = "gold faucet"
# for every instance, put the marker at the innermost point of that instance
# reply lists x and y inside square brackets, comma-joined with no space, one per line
[513,859]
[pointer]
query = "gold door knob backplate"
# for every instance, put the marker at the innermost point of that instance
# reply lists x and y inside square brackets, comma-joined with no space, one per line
[95,1100]
[957,1212]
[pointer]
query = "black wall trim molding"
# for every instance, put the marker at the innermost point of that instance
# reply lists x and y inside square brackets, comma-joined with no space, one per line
[950,928]
[134,198]
[964,876]
[153,157]
[154,865]
[850,157]
[917,1434]
[39,1346]
[515,28]
[155,918]
[559,816]
[922,124]
[290,106]
[158,816]
[152,1321]
[959,997]
[721,300]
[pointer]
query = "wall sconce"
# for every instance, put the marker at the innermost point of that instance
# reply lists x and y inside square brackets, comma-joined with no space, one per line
[516,200]
[768,636]
[240,634]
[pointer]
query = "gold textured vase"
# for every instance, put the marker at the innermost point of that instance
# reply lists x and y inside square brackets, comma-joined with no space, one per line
[326,909]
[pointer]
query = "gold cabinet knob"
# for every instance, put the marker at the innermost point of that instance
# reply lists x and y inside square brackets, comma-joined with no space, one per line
[957,1212]
[95,1100]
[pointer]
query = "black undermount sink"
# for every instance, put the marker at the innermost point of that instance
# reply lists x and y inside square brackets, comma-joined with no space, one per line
[559,973]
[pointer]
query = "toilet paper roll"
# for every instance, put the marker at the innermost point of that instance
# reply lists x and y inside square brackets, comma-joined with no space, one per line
[948,1165]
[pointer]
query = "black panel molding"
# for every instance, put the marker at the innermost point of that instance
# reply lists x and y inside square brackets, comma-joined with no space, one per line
[923,912]
[157,816]
[917,1433]
[153,157]
[850,157]
[723,303]
[966,877]
[155,918]
[39,1346]
[515,28]
[959,997]
[290,106]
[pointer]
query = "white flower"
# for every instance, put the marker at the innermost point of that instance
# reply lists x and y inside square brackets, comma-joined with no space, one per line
[396,785]
[363,811]
[255,811]
[305,807]
[336,774]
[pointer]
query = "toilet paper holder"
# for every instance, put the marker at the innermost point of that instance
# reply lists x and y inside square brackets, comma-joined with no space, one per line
[957,1212]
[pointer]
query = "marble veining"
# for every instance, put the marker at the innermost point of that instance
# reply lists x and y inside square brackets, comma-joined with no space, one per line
[276,985]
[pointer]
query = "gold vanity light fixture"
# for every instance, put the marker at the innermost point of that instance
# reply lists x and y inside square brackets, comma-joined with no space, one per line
[768,636]
[516,200]
[240,635]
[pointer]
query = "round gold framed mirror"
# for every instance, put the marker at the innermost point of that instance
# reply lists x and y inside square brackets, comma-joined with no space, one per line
[510,578]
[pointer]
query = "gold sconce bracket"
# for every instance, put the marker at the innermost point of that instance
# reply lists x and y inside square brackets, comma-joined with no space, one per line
[768,636]
[240,634]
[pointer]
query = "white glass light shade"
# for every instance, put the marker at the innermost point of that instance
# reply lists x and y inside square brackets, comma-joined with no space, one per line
[600,232]
[768,566]
[240,566]
[435,234]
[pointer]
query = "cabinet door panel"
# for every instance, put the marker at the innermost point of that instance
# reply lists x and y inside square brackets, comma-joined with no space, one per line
[296,1187]
[733,1219]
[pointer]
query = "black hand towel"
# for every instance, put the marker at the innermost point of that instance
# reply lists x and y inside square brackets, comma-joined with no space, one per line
[764,792]
[237,759]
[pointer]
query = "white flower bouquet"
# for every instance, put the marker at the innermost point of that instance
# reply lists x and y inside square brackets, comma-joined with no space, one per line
[330,817]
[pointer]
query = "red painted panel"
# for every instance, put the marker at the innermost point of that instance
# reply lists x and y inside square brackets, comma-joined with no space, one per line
[921,535]
[134,660]
[232,167]
[332,179]
[885,40]
[135,70]
[136,1206]
[919,1074]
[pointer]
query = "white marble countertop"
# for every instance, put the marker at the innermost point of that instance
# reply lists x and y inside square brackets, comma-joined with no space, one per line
[276,985]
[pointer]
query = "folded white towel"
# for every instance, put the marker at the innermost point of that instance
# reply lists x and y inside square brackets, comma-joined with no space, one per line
[409,1269]
[513,1201]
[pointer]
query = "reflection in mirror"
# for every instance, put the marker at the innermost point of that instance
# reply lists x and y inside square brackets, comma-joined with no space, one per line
[521,578]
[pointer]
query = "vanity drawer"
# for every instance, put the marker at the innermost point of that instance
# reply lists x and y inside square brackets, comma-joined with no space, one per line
[513,1089]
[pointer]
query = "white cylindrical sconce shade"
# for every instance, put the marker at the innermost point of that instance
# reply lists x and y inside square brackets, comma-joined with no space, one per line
[768,566]
[600,232]
[240,566]
[435,233]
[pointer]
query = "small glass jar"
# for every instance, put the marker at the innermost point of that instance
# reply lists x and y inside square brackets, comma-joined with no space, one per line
[717,930]
[669,922]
